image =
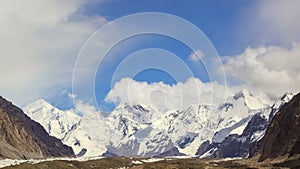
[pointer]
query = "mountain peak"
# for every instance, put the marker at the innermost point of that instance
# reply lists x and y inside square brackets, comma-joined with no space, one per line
[287,96]
[252,101]
[41,107]
[40,103]
[55,121]
[242,94]
[128,106]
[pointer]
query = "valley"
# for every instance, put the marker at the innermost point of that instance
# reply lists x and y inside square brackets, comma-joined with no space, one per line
[124,84]
[158,163]
[133,136]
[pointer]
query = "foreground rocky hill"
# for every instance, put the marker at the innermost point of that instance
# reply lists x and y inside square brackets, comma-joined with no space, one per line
[282,138]
[23,138]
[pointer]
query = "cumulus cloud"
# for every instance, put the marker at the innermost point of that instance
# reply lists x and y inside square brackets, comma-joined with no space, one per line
[271,69]
[39,43]
[166,97]
[196,55]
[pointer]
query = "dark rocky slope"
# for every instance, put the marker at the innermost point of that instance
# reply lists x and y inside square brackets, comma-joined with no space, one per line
[236,145]
[23,138]
[282,138]
[246,144]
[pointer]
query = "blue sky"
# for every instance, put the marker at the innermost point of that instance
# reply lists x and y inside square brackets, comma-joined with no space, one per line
[258,42]
[219,20]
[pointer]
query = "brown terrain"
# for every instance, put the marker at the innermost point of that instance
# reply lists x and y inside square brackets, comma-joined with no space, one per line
[168,163]
[23,138]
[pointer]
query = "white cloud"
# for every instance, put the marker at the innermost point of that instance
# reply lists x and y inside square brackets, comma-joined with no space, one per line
[40,40]
[274,21]
[270,69]
[72,96]
[39,43]
[196,55]
[167,97]
[82,108]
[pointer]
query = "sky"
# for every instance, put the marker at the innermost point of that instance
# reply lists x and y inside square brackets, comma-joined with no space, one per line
[165,54]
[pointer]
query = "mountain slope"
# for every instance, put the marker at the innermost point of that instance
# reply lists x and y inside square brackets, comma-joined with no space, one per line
[240,140]
[282,138]
[90,136]
[56,122]
[23,138]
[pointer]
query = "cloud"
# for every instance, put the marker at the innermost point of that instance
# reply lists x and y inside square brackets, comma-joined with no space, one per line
[167,97]
[274,21]
[39,43]
[83,108]
[71,95]
[271,69]
[196,55]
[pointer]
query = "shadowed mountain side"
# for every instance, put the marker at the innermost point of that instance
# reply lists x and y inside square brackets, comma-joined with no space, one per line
[23,138]
[282,138]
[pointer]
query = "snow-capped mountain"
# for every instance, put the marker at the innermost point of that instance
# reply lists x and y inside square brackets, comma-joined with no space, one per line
[131,130]
[90,136]
[56,122]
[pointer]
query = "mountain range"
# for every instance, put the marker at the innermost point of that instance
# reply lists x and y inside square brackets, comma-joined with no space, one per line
[227,129]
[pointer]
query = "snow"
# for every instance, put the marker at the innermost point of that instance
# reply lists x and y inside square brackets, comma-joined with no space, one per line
[227,159]
[221,135]
[12,162]
[179,157]
[89,134]
[239,130]
[259,101]
[137,162]
[140,130]
[284,99]
[257,136]
[56,122]
[152,160]
[208,153]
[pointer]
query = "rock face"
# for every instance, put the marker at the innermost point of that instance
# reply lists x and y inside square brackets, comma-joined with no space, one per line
[23,138]
[282,138]
[236,145]
[246,143]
